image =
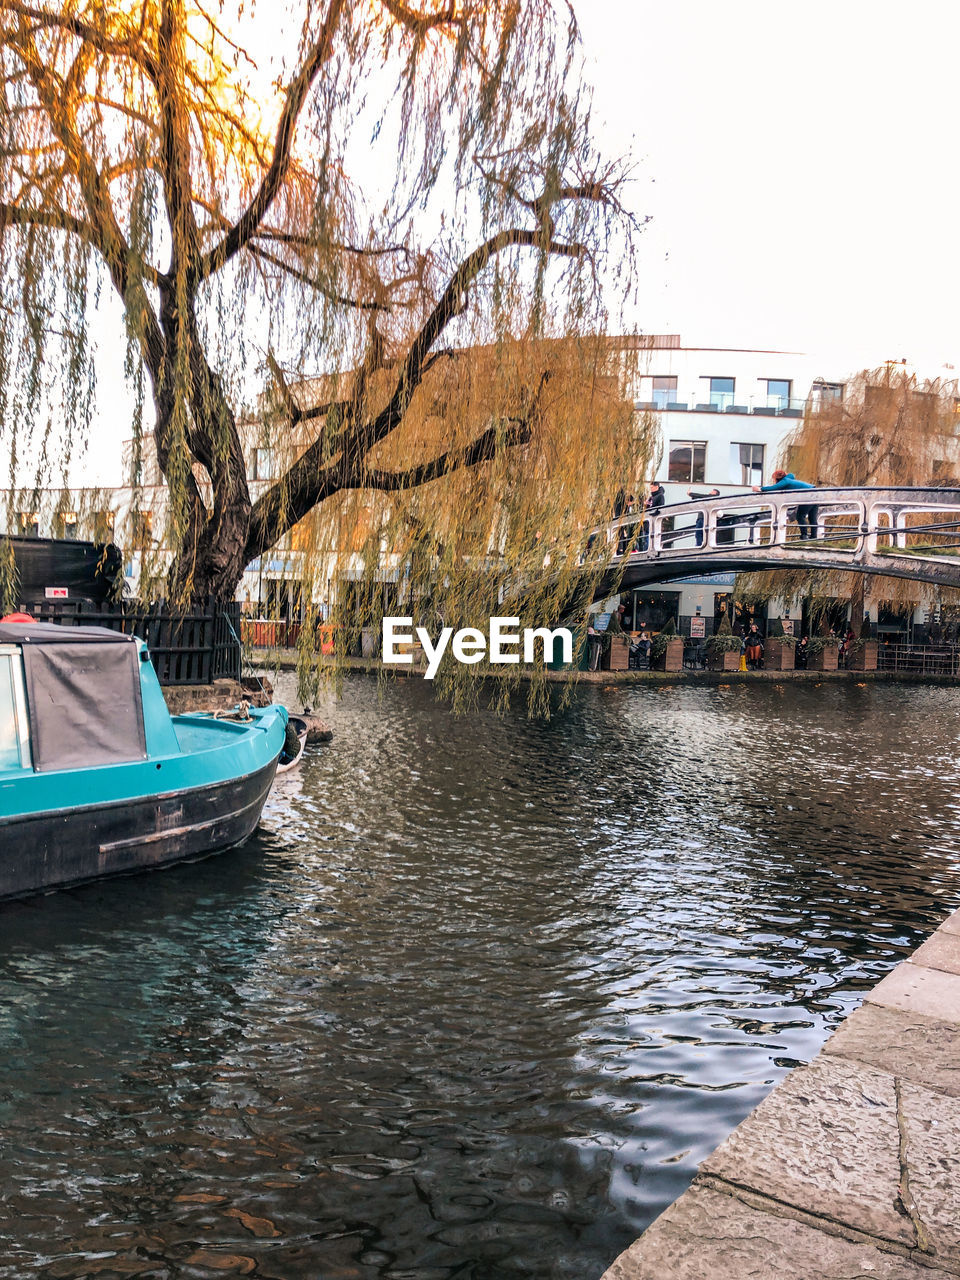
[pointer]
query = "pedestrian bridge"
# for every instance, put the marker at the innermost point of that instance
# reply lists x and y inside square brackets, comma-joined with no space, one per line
[904,533]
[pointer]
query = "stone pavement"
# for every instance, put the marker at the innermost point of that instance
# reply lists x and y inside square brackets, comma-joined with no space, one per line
[850,1169]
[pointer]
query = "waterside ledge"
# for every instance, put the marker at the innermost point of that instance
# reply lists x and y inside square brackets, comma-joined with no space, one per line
[850,1168]
[269,660]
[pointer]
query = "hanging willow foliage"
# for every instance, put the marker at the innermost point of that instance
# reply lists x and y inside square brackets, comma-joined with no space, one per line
[890,429]
[9,577]
[384,229]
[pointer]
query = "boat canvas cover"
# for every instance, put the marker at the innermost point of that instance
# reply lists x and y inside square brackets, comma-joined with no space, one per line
[83,692]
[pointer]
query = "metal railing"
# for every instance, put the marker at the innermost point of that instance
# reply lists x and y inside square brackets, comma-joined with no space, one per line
[920,659]
[792,408]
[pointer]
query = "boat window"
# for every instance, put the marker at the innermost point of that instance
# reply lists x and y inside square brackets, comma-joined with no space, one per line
[14,752]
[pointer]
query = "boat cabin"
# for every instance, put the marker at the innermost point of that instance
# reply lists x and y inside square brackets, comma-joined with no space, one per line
[78,698]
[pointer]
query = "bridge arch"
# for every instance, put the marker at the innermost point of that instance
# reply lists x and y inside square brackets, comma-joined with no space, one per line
[909,533]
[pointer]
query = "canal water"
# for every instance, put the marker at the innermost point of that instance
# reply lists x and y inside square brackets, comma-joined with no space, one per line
[479,995]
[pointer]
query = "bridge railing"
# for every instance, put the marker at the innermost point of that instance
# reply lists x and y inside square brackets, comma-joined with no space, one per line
[850,522]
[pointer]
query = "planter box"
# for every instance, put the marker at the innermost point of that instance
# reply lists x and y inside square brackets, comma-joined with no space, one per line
[728,661]
[825,660]
[777,656]
[617,657]
[672,657]
[863,658]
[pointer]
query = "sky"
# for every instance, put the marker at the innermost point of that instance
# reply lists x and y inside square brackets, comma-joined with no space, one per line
[799,165]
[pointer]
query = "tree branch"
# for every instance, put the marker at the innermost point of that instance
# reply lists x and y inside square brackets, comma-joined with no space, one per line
[127,48]
[175,156]
[451,303]
[55,219]
[298,414]
[298,240]
[246,225]
[312,478]
[483,449]
[104,229]
[420,22]
[341,298]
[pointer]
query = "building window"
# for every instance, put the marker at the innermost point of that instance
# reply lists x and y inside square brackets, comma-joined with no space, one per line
[721,392]
[103,522]
[14,749]
[68,525]
[664,392]
[688,461]
[749,457]
[828,391]
[29,524]
[262,464]
[778,393]
[142,527]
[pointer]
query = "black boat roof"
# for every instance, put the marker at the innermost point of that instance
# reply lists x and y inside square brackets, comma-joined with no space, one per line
[83,694]
[54,633]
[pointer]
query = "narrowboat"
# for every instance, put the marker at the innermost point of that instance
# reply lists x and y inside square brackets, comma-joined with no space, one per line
[98,779]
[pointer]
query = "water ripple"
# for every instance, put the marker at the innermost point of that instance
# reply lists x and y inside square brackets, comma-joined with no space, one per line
[480,994]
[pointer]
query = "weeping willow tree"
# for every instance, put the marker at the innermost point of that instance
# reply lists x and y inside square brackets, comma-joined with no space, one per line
[372,244]
[890,429]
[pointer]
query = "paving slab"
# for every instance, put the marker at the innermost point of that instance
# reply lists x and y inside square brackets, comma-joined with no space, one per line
[915,989]
[952,923]
[940,951]
[930,1156]
[826,1141]
[707,1235]
[923,1050]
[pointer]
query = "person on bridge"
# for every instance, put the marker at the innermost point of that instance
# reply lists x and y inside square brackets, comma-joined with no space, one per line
[806,513]
[696,496]
[625,540]
[655,500]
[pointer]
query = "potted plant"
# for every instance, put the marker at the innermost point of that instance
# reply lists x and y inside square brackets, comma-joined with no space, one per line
[778,649]
[666,651]
[724,648]
[617,654]
[823,653]
[862,654]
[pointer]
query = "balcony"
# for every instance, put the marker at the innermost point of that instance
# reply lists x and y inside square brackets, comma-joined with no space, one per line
[758,408]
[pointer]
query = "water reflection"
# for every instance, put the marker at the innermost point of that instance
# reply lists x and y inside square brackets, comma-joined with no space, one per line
[481,993]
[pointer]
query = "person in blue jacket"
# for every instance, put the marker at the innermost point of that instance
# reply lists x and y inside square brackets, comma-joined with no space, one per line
[806,513]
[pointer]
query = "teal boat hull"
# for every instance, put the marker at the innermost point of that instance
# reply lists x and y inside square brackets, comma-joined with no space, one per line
[197,788]
[56,849]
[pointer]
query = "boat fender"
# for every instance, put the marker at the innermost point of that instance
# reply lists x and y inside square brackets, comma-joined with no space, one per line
[291,743]
[17,617]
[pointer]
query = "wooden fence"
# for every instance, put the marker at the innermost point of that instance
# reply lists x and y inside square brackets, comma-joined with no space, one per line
[186,648]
